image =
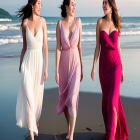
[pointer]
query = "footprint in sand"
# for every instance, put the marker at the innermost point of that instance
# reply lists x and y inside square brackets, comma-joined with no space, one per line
[100,124]
[86,129]
[59,136]
[135,128]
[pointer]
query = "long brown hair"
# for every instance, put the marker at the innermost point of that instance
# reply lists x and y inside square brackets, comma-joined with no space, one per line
[63,8]
[115,16]
[26,11]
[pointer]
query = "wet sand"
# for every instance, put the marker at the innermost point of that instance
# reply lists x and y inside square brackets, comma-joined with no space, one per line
[89,125]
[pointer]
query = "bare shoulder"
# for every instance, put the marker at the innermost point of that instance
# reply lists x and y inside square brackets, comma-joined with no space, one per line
[99,22]
[78,19]
[59,23]
[80,22]
[44,21]
[24,24]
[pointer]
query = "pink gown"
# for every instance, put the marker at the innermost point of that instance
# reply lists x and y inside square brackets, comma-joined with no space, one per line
[69,72]
[110,73]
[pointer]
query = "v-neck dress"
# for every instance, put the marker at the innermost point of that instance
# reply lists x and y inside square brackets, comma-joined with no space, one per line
[69,72]
[30,97]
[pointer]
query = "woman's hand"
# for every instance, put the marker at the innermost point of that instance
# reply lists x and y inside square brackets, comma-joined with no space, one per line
[81,75]
[57,78]
[93,73]
[45,75]
[20,68]
[122,80]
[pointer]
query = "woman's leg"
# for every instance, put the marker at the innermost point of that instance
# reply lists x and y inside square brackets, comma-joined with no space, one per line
[67,116]
[31,135]
[72,127]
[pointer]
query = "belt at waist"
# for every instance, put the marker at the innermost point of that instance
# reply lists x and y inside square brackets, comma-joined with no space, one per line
[71,48]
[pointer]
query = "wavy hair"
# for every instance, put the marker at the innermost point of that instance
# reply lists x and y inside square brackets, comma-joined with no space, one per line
[26,11]
[63,8]
[115,16]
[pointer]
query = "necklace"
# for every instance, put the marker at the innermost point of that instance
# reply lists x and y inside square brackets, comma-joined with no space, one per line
[70,23]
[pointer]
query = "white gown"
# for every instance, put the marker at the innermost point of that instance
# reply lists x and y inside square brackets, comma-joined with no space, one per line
[30,97]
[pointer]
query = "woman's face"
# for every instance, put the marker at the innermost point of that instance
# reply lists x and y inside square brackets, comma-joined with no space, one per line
[71,8]
[37,7]
[106,7]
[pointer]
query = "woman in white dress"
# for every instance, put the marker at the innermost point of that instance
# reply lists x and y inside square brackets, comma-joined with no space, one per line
[30,97]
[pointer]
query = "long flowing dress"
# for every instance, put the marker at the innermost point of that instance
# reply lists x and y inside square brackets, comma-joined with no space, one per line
[30,97]
[110,73]
[69,72]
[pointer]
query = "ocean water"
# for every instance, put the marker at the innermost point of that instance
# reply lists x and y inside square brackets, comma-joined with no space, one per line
[11,46]
[11,35]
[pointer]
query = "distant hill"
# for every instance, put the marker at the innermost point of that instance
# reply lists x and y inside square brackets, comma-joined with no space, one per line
[4,14]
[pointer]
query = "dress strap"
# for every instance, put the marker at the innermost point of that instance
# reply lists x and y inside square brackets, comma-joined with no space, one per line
[77,22]
[60,24]
[41,21]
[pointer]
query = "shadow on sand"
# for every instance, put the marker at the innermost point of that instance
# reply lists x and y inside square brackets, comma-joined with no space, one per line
[77,136]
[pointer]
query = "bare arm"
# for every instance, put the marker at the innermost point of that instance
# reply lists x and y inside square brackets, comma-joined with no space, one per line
[97,49]
[24,43]
[80,49]
[58,50]
[119,48]
[45,48]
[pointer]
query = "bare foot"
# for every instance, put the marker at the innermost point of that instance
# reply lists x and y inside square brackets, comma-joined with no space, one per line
[71,138]
[67,137]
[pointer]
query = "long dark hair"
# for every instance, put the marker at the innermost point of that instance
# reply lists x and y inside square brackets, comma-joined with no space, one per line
[63,8]
[115,16]
[26,11]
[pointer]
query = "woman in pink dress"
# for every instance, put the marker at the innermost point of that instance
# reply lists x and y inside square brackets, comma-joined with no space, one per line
[68,63]
[111,74]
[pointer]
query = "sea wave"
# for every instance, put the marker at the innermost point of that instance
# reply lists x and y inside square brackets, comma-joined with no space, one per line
[16,39]
[9,41]
[130,33]
[88,33]
[94,23]
[13,24]
[88,39]
[16,36]
[3,28]
[86,24]
[83,33]
[5,19]
[51,32]
[94,33]
[14,28]
[52,23]
[122,33]
[9,27]
[128,24]
[51,39]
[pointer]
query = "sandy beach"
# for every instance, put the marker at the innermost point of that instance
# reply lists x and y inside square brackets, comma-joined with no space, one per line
[89,125]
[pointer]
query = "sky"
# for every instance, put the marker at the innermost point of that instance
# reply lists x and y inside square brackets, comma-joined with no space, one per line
[84,8]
